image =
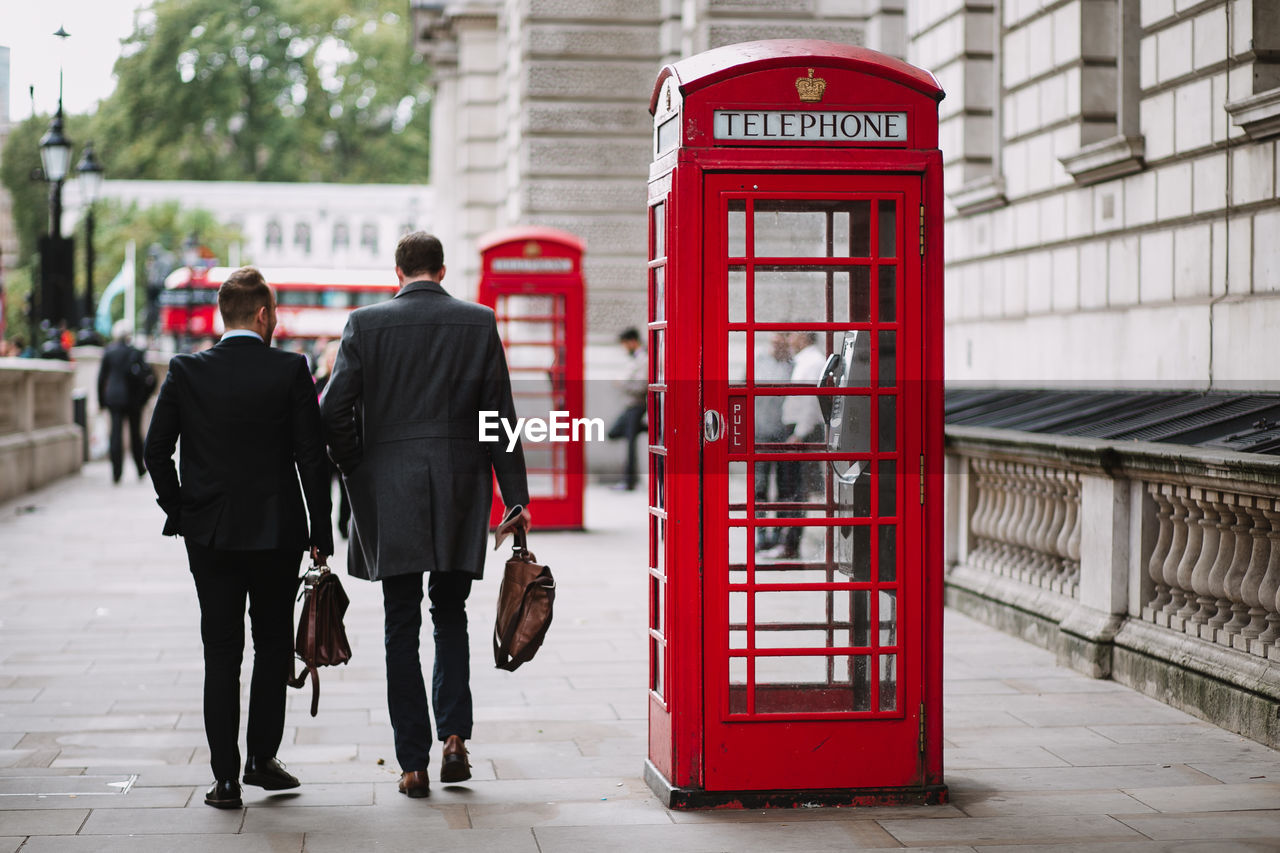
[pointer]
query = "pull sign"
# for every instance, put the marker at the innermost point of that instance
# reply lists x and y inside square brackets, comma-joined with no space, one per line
[737,424]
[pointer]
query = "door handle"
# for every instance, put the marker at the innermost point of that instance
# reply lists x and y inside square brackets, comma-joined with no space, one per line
[712,425]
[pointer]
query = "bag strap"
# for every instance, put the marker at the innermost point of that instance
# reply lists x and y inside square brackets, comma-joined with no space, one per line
[315,676]
[311,580]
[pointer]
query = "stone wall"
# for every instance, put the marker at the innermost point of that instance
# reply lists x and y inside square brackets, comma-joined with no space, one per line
[38,440]
[541,115]
[1111,179]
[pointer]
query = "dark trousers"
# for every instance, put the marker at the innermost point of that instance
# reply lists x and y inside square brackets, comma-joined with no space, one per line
[629,425]
[797,482]
[766,537]
[224,579]
[118,416]
[450,675]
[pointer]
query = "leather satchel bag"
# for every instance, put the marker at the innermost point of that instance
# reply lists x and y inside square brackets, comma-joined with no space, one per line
[525,602]
[322,639]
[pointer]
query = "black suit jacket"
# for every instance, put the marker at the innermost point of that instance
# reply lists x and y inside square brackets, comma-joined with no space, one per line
[115,385]
[250,427]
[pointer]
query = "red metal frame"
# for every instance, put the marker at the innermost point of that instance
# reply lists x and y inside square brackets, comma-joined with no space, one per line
[532,278]
[705,751]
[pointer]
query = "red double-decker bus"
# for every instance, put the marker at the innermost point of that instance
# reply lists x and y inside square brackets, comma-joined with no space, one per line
[311,303]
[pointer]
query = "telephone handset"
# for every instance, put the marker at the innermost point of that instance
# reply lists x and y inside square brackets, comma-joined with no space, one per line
[842,370]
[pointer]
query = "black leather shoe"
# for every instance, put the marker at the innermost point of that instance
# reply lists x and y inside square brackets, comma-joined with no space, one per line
[225,794]
[268,773]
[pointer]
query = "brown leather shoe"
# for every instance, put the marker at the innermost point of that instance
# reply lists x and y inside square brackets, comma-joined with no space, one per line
[455,767]
[414,783]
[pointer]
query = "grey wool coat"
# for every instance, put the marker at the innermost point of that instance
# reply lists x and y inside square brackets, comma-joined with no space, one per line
[401,418]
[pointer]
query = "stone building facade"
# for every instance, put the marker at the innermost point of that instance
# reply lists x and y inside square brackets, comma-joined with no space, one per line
[541,114]
[1112,169]
[8,233]
[1111,164]
[312,225]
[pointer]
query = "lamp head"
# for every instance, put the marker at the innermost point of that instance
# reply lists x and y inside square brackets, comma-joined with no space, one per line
[91,172]
[55,150]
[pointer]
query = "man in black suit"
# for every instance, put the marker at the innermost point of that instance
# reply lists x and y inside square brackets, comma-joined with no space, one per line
[401,415]
[125,381]
[250,427]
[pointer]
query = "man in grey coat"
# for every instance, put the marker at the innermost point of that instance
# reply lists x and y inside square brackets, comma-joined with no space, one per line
[401,416]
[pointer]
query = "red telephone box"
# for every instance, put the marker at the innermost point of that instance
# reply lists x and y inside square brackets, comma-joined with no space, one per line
[532,278]
[795,416]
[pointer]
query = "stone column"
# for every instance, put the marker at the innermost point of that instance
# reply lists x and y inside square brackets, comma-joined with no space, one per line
[1104,575]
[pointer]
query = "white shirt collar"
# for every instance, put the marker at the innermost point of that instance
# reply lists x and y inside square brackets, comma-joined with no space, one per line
[241,333]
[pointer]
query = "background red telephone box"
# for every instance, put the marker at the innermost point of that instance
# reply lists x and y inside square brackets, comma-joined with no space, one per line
[532,278]
[795,415]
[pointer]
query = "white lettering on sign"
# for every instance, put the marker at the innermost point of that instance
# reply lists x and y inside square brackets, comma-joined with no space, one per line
[532,265]
[558,428]
[811,125]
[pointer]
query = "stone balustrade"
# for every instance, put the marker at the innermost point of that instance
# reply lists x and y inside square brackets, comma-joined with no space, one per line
[1215,568]
[1155,565]
[39,440]
[1026,523]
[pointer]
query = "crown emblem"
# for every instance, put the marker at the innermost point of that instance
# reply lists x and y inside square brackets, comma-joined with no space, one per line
[810,88]
[532,249]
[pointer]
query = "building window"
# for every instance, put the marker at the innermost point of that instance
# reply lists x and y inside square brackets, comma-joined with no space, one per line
[275,235]
[369,237]
[1122,151]
[982,185]
[341,236]
[1257,109]
[302,237]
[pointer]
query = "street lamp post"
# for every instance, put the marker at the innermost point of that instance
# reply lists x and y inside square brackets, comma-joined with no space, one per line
[90,171]
[56,252]
[55,263]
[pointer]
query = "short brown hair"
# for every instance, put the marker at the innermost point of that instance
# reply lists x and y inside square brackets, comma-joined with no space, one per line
[241,295]
[419,252]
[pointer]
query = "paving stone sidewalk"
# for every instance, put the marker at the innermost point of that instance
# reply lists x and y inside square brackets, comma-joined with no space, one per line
[102,747]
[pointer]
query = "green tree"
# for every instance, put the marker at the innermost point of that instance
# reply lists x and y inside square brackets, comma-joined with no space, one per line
[272,90]
[166,225]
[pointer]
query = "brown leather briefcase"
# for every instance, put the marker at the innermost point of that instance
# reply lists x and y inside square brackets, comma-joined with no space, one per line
[322,639]
[525,602]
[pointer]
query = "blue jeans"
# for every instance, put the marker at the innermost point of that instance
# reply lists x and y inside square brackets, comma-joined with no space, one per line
[451,674]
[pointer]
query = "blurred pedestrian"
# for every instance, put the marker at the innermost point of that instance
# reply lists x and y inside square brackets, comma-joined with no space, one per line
[400,413]
[247,417]
[772,367]
[125,383]
[635,389]
[805,424]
